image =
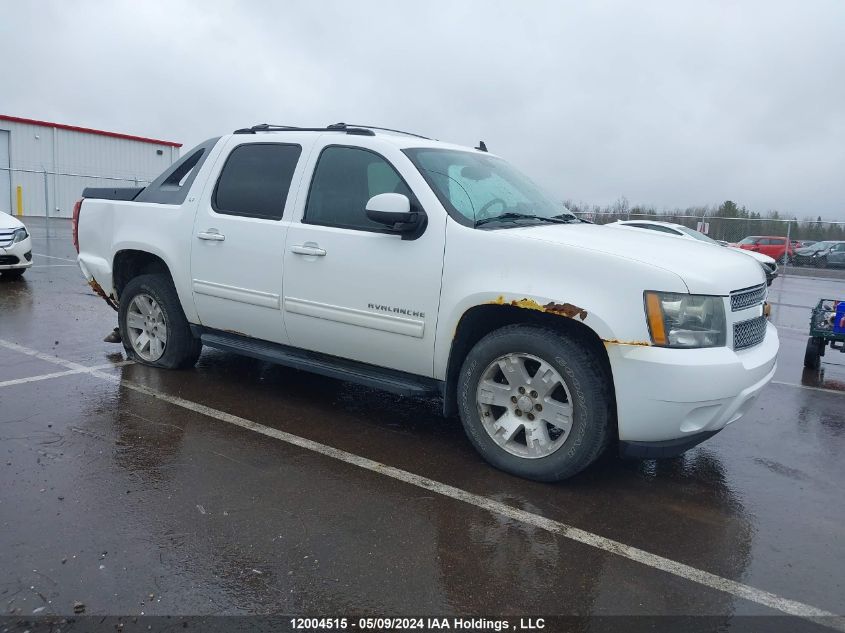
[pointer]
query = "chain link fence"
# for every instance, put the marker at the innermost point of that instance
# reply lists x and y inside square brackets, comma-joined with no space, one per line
[42,192]
[815,247]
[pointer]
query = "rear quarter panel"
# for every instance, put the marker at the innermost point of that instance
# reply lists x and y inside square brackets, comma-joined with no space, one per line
[107,227]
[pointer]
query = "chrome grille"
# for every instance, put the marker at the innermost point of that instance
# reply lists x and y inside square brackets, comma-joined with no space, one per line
[749,333]
[6,236]
[747,297]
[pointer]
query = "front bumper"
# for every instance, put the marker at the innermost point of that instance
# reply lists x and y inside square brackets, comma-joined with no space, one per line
[15,256]
[670,397]
[662,450]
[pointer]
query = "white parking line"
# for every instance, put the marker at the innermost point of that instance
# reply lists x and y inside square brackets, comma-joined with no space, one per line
[681,570]
[64,259]
[41,355]
[59,374]
[795,384]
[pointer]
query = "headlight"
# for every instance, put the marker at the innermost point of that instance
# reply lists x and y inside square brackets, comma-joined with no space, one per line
[683,320]
[19,235]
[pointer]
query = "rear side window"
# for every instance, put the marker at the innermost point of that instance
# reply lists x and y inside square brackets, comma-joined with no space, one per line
[180,175]
[172,185]
[657,227]
[255,180]
[344,180]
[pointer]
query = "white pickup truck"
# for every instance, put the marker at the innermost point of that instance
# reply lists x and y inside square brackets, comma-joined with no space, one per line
[424,268]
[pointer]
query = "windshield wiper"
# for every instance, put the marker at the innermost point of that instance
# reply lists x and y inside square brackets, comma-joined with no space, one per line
[520,216]
[568,218]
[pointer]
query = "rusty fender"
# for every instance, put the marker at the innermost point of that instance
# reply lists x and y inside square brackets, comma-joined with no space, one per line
[561,309]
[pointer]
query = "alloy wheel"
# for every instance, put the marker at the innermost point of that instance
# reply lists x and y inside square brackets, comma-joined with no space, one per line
[524,405]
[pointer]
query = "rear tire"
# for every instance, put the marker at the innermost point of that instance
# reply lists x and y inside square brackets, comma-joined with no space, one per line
[567,396]
[181,348]
[813,354]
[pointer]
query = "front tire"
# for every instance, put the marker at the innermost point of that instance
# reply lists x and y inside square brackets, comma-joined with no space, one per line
[14,273]
[813,353]
[535,403]
[153,326]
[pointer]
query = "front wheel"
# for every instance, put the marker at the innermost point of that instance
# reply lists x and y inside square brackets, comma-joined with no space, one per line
[13,273]
[535,403]
[821,262]
[153,326]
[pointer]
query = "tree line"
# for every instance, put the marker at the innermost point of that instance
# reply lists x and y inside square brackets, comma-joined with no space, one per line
[727,221]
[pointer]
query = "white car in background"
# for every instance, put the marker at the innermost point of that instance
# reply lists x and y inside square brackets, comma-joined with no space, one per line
[769,265]
[15,247]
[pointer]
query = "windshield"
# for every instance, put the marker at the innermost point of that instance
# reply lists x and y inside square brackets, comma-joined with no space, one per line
[818,246]
[484,189]
[697,235]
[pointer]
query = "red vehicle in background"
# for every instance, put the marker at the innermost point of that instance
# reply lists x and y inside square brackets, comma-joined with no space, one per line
[771,245]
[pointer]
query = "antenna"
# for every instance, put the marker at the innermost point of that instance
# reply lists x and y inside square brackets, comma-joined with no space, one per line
[482,146]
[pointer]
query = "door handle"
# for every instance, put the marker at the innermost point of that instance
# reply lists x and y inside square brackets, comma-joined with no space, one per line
[212,235]
[308,249]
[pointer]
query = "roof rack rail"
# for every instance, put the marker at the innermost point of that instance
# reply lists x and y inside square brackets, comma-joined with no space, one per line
[336,127]
[388,129]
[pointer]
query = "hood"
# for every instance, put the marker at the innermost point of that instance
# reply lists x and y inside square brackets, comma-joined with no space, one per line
[9,221]
[812,249]
[760,257]
[704,268]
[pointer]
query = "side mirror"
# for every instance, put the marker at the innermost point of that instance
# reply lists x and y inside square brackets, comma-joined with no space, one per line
[394,211]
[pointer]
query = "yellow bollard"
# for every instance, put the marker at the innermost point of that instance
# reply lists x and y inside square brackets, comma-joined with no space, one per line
[20,201]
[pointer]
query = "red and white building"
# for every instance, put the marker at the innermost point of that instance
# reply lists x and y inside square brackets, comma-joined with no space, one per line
[45,166]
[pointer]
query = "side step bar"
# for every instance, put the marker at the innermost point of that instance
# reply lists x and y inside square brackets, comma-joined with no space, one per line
[401,383]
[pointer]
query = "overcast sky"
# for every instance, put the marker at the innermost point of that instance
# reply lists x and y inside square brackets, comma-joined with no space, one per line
[671,104]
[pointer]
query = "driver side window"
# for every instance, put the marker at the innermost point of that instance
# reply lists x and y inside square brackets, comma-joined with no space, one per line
[345,178]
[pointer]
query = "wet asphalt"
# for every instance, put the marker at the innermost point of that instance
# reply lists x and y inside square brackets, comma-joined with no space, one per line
[131,504]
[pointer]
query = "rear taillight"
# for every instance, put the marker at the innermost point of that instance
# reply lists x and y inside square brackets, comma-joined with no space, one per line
[74,223]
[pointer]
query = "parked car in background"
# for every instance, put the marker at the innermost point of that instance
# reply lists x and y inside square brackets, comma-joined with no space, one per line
[831,254]
[810,255]
[769,265]
[15,247]
[803,243]
[771,245]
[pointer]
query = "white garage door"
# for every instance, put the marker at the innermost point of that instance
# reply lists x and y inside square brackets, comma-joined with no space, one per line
[5,174]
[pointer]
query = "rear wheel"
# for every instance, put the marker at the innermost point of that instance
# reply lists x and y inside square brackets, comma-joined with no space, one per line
[153,326]
[534,403]
[813,354]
